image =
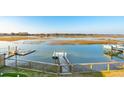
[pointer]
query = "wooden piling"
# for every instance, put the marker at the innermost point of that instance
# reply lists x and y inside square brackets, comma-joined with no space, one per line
[8,49]
[16,50]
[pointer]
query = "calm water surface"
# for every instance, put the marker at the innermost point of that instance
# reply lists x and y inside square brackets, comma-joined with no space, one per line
[44,51]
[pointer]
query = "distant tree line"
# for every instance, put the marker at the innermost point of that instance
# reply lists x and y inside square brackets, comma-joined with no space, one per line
[15,34]
[57,34]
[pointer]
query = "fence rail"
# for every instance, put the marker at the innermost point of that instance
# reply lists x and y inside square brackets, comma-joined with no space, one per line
[97,67]
[36,65]
[74,68]
[34,61]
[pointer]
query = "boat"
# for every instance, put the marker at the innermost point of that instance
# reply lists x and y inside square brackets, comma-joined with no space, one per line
[112,46]
[108,47]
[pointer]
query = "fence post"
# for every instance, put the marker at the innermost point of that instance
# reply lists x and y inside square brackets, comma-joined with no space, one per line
[4,64]
[108,67]
[71,68]
[30,65]
[91,66]
[43,68]
[58,70]
[16,61]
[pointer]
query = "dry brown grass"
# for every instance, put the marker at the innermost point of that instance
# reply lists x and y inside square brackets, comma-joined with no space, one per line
[95,36]
[71,42]
[114,73]
[14,38]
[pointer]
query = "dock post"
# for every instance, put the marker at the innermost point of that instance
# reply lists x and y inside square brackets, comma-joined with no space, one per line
[8,49]
[108,67]
[71,66]
[16,50]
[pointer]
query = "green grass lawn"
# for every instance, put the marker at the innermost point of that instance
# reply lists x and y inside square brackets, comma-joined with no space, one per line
[13,72]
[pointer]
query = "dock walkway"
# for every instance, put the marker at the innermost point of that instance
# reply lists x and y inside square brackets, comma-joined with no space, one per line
[15,51]
[23,52]
[63,61]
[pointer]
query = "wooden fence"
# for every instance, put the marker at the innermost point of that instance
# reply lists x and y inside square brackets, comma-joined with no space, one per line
[74,68]
[97,67]
[34,65]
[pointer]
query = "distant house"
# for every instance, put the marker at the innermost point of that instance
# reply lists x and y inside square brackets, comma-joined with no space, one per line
[22,33]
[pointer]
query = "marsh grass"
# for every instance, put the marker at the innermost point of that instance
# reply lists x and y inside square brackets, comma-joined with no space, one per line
[74,42]
[14,38]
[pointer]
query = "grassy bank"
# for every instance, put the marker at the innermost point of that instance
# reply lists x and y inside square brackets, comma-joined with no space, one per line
[72,42]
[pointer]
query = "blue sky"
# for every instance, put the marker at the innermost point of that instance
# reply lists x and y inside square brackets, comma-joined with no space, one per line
[63,24]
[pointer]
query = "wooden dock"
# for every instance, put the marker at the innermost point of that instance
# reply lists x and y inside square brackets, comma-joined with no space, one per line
[63,61]
[23,53]
[15,51]
[20,53]
[9,56]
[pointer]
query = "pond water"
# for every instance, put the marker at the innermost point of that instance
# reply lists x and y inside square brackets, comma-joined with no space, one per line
[76,53]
